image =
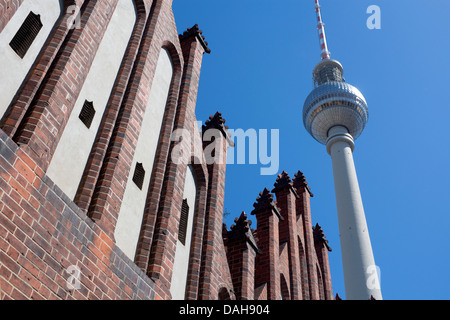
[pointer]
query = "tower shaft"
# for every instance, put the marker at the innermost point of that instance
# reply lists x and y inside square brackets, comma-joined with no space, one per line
[335,114]
[360,272]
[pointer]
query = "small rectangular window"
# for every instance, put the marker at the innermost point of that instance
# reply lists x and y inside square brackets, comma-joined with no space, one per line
[27,33]
[182,230]
[139,175]
[87,113]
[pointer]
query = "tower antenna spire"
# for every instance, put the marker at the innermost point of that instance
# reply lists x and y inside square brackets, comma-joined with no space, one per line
[321,28]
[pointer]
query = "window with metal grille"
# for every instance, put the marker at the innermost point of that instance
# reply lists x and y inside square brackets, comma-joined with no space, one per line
[139,175]
[27,33]
[182,230]
[87,113]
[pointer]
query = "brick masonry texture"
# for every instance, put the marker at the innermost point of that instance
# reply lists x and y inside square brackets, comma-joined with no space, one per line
[44,234]
[7,10]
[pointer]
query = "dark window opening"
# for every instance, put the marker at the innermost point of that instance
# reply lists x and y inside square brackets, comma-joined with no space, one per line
[27,33]
[182,230]
[87,113]
[139,175]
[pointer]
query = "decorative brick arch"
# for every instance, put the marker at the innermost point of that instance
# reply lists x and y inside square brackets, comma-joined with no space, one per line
[304,280]
[55,99]
[320,283]
[224,294]
[91,174]
[162,213]
[161,159]
[113,155]
[201,176]
[284,288]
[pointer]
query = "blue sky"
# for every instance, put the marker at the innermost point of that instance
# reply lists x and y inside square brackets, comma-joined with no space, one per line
[259,74]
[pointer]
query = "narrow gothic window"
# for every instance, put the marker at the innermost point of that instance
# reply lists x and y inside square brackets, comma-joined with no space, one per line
[26,34]
[183,222]
[87,113]
[139,174]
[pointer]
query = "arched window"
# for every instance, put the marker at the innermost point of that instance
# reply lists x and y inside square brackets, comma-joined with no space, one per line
[129,222]
[21,41]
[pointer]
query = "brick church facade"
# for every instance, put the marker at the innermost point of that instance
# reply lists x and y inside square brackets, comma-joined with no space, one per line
[93,204]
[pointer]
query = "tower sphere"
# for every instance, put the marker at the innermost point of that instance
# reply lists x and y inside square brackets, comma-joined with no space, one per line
[333,102]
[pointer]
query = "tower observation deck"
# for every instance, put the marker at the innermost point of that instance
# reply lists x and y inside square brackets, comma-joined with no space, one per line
[335,113]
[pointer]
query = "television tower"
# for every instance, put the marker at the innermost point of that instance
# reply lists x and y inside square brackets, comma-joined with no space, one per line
[335,114]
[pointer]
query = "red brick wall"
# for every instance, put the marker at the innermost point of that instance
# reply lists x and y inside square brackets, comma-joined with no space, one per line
[322,249]
[286,197]
[7,10]
[43,233]
[241,253]
[261,292]
[283,268]
[215,272]
[268,262]
[291,262]
[303,208]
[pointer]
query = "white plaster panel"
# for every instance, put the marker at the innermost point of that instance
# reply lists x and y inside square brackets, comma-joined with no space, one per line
[129,221]
[14,69]
[71,155]
[182,253]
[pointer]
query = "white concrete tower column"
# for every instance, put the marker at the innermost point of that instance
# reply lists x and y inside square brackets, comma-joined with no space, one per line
[360,272]
[335,113]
